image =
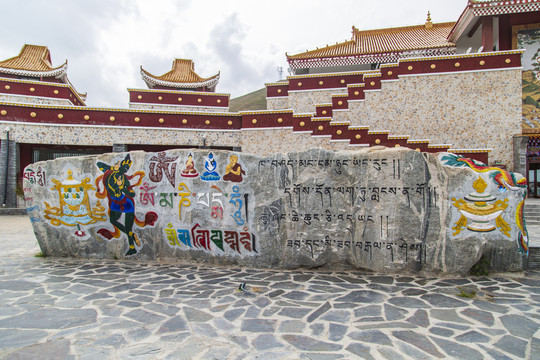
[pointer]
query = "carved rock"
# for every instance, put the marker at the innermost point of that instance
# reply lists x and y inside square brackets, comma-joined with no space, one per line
[384,210]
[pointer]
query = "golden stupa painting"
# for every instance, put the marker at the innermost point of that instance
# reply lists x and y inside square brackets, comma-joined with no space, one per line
[75,208]
[479,209]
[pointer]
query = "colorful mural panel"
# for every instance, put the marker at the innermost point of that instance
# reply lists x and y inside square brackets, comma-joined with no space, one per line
[209,213]
[476,206]
[528,38]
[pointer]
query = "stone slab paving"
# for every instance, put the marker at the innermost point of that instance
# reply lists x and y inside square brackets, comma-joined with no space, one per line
[105,309]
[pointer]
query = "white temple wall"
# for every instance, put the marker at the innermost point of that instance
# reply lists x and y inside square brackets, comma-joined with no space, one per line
[468,110]
[282,140]
[258,142]
[34,100]
[280,103]
[305,101]
[137,106]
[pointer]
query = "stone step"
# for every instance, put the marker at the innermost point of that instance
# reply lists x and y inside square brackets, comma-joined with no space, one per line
[12,211]
[529,218]
[534,258]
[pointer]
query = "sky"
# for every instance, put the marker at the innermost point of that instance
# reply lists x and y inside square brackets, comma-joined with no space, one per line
[107,41]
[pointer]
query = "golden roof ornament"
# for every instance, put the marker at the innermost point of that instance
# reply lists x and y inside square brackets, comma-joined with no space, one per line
[428,24]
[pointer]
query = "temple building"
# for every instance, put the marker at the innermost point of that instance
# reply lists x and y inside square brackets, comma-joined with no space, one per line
[179,89]
[370,48]
[181,77]
[469,87]
[48,84]
[484,26]
[485,29]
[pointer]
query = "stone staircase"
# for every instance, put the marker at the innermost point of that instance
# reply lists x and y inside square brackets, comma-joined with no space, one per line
[532,211]
[532,219]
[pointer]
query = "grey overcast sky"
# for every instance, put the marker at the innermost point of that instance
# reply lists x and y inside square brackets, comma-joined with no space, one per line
[106,41]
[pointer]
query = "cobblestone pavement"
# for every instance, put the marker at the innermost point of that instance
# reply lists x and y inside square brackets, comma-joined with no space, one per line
[80,309]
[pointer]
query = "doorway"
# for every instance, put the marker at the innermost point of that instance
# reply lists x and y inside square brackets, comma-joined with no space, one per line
[533,165]
[534,178]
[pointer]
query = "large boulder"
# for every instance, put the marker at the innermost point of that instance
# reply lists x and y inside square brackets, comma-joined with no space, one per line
[384,210]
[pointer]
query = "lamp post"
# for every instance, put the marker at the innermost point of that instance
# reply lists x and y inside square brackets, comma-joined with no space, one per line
[7,129]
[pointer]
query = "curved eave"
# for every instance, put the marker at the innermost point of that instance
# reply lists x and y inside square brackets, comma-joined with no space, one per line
[209,82]
[371,54]
[313,54]
[496,8]
[372,57]
[463,22]
[58,72]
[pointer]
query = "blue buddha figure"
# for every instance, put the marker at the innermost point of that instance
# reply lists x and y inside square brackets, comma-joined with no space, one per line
[210,165]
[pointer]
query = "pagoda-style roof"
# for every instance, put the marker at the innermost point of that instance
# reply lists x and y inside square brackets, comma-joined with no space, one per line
[33,61]
[182,76]
[478,8]
[381,45]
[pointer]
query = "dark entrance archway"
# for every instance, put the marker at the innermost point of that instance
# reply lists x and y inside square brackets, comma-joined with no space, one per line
[533,165]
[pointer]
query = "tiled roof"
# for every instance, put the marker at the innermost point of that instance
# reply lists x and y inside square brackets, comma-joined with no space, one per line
[478,8]
[182,75]
[33,59]
[389,40]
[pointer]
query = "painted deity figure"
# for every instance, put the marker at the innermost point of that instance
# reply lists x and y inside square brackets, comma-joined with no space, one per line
[119,191]
[234,171]
[189,171]
[210,165]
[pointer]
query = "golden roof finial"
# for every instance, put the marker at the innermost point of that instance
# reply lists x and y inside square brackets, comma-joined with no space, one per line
[428,24]
[480,185]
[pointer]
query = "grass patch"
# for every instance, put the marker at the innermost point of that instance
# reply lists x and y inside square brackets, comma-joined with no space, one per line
[481,268]
[40,255]
[466,293]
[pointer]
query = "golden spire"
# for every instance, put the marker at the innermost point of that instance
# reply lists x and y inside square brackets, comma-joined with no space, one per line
[428,24]
[480,185]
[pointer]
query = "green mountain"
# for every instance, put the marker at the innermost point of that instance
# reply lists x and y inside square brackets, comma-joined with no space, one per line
[253,101]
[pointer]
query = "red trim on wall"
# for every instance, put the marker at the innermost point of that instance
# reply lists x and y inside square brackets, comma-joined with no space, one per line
[39,90]
[454,64]
[340,102]
[323,110]
[277,90]
[324,81]
[171,98]
[390,72]
[267,120]
[63,115]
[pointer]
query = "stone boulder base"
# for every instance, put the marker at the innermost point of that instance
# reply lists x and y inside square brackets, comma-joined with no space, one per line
[378,209]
